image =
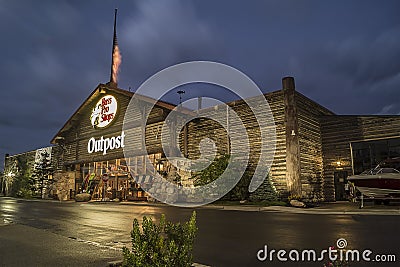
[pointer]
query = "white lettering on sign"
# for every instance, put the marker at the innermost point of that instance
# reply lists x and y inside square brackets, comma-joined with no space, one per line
[104,144]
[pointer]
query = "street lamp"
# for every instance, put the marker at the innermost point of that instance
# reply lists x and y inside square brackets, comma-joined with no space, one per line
[104,178]
[180,92]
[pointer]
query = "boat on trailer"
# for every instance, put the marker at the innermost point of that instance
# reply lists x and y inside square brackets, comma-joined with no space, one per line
[379,182]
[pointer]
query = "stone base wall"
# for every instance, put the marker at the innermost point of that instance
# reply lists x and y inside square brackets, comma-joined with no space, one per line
[63,183]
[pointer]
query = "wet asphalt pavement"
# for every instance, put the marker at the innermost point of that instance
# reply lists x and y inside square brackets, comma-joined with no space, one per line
[48,233]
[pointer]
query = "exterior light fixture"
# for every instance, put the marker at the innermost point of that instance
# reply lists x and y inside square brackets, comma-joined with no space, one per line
[293,133]
[59,139]
[160,166]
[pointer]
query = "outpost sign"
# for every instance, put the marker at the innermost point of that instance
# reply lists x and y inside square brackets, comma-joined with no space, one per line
[104,144]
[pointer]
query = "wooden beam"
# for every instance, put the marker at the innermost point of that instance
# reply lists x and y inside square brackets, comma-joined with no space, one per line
[292,138]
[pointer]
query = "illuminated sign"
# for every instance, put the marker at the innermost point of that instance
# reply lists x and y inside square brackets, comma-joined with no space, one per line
[103,144]
[104,112]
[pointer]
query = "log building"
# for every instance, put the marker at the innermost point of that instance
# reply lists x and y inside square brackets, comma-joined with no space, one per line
[315,149]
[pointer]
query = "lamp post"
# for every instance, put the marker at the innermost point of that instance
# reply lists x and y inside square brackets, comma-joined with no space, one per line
[180,92]
[104,177]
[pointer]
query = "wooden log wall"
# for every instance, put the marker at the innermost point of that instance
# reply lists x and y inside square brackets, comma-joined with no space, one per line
[278,168]
[207,128]
[310,144]
[339,131]
[200,129]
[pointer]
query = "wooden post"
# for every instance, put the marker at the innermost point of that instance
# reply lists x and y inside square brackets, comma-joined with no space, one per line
[292,138]
[227,131]
[143,128]
[185,140]
[172,132]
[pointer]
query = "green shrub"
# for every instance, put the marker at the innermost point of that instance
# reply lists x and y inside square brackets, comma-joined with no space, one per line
[24,193]
[165,244]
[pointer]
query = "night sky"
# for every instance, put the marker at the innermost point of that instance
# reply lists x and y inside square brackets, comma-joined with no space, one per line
[343,54]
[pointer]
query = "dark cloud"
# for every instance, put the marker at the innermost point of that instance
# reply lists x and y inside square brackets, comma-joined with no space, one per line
[364,72]
[343,54]
[162,33]
[369,62]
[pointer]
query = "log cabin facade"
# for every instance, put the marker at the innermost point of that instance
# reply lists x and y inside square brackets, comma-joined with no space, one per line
[315,149]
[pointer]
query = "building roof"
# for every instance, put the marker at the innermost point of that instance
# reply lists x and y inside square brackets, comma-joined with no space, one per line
[110,88]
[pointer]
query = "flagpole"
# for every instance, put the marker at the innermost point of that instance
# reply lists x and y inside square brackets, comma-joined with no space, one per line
[115,43]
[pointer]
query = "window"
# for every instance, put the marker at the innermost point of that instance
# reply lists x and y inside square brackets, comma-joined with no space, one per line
[369,154]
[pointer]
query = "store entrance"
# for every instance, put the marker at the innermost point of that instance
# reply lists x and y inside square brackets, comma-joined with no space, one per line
[112,179]
[341,186]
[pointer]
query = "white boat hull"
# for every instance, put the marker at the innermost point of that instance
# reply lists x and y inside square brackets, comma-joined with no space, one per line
[378,192]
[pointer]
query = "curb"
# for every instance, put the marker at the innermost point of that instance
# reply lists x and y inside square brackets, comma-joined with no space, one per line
[114,263]
[119,263]
[40,200]
[315,211]
[324,211]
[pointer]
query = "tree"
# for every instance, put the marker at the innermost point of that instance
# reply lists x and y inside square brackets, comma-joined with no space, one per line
[212,172]
[240,190]
[14,175]
[217,167]
[21,185]
[43,170]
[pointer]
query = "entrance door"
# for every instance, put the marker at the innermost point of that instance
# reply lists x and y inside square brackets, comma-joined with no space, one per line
[341,185]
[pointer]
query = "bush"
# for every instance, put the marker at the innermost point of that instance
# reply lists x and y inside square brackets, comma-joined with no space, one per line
[24,193]
[294,197]
[166,244]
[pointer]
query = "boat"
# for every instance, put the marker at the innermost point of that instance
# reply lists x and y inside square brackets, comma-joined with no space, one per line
[380,182]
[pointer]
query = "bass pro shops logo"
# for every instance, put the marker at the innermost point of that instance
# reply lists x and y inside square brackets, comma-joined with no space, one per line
[104,112]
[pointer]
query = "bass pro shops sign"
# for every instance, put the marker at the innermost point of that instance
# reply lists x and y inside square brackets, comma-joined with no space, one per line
[104,112]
